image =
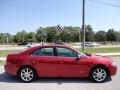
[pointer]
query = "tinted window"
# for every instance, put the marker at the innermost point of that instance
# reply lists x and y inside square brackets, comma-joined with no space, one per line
[43,52]
[64,52]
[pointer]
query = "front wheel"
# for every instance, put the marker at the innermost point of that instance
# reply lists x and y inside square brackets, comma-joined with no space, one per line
[99,74]
[26,74]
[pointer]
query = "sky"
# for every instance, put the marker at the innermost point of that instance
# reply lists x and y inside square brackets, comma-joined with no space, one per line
[29,15]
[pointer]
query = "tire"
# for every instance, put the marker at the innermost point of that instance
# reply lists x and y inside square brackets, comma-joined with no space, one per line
[99,74]
[27,74]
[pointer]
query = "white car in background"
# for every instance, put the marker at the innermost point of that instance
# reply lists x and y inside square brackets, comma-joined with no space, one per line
[87,44]
[78,43]
[96,44]
[29,45]
[91,44]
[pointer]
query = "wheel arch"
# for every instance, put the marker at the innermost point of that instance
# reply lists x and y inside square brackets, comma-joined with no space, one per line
[97,66]
[21,67]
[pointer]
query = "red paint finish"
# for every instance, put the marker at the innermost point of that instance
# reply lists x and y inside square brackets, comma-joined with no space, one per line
[45,65]
[70,67]
[55,65]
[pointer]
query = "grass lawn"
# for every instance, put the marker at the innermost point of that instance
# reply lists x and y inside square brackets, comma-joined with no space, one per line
[2,63]
[102,50]
[4,53]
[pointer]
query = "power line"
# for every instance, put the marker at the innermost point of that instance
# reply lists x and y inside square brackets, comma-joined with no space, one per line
[108,4]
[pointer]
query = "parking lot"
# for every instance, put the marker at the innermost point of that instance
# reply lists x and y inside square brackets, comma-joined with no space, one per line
[12,83]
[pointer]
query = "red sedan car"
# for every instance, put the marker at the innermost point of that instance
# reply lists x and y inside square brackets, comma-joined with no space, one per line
[58,61]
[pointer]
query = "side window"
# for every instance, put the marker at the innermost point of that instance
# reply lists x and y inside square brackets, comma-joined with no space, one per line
[43,52]
[64,52]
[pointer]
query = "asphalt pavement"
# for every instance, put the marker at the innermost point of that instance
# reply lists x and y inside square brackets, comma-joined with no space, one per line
[8,82]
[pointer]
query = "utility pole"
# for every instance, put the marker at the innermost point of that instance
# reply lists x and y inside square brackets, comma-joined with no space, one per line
[7,38]
[83,26]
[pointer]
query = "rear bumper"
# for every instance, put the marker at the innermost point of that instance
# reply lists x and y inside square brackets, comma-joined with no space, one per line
[11,69]
[113,70]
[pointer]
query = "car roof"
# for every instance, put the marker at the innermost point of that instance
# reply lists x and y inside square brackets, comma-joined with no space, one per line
[52,45]
[42,46]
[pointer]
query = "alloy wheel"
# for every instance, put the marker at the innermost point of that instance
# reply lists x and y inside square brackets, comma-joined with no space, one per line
[99,74]
[27,74]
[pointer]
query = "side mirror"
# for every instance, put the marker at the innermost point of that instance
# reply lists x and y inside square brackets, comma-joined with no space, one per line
[78,57]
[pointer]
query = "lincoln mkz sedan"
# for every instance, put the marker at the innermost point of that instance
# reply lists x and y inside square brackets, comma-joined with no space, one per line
[58,61]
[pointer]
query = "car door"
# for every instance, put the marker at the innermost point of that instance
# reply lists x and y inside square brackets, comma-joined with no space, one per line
[68,65]
[45,62]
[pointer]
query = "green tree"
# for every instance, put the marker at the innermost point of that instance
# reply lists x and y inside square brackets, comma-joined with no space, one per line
[41,34]
[5,38]
[52,34]
[20,37]
[31,37]
[117,35]
[89,34]
[100,36]
[111,35]
[2,39]
[70,34]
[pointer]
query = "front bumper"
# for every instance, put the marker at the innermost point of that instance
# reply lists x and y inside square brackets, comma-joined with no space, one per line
[113,70]
[11,69]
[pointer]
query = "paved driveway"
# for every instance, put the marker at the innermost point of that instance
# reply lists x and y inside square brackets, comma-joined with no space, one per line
[8,82]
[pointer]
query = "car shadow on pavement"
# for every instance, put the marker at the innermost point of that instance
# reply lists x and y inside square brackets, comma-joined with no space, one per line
[12,79]
[4,77]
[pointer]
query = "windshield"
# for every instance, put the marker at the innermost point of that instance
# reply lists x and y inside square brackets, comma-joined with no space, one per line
[82,54]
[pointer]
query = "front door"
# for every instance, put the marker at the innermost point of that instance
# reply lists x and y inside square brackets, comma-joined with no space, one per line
[68,65]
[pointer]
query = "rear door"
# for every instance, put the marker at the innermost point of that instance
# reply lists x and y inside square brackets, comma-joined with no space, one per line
[45,62]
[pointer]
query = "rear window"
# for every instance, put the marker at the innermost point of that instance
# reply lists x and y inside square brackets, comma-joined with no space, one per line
[43,52]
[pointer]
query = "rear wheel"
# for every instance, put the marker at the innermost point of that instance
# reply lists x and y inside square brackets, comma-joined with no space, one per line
[27,74]
[99,74]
